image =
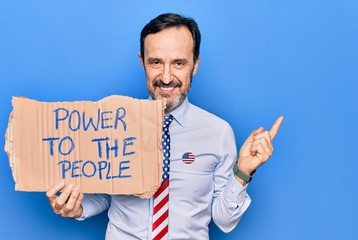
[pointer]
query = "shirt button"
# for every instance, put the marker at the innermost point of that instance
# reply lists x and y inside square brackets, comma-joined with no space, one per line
[233,190]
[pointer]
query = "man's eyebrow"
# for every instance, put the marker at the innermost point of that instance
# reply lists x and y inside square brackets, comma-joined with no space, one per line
[154,59]
[183,60]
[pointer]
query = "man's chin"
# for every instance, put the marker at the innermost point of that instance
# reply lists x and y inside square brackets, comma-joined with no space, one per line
[172,101]
[173,104]
[160,96]
[167,96]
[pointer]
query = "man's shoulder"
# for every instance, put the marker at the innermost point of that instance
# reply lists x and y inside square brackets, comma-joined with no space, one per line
[204,116]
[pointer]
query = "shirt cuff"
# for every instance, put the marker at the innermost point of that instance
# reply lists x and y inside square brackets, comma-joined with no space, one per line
[86,204]
[235,192]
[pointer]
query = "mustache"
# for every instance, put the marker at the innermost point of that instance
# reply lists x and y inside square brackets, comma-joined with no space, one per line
[160,83]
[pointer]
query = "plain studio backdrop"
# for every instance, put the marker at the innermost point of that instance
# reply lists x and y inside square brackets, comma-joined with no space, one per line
[259,59]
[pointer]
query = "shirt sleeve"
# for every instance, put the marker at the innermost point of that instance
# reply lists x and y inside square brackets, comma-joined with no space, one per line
[230,197]
[94,204]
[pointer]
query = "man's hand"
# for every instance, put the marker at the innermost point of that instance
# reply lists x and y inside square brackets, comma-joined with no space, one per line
[257,148]
[68,203]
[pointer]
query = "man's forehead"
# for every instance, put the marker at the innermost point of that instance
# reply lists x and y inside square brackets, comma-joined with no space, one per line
[176,41]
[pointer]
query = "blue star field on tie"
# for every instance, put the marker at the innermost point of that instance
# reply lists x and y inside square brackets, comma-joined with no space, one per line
[161,197]
[166,146]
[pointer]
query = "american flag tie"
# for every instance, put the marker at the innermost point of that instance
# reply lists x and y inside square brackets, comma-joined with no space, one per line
[161,197]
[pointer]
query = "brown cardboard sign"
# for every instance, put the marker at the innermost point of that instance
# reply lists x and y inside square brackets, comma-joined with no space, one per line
[111,146]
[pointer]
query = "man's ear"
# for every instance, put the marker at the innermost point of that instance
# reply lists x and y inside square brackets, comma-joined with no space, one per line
[196,65]
[141,61]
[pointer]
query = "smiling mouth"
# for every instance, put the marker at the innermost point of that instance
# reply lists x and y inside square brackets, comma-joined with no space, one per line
[166,89]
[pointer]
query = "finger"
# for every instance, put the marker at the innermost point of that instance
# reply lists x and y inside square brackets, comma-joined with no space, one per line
[51,193]
[264,136]
[275,127]
[263,154]
[258,131]
[78,207]
[79,201]
[260,154]
[266,145]
[261,147]
[63,197]
[250,139]
[72,200]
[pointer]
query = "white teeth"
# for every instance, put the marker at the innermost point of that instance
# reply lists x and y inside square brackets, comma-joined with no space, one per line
[166,88]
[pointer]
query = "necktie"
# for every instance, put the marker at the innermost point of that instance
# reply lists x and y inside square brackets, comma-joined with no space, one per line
[161,197]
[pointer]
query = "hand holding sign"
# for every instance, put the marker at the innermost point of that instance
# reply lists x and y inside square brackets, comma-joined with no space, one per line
[68,203]
[257,148]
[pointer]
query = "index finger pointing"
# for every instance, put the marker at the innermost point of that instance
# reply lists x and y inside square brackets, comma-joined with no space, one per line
[275,127]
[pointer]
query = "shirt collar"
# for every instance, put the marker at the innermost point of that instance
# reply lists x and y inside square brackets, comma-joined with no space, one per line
[180,114]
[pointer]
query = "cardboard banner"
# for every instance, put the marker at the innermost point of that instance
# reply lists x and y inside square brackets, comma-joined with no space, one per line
[111,146]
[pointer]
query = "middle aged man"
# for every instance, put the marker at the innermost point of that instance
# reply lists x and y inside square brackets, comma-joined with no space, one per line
[202,189]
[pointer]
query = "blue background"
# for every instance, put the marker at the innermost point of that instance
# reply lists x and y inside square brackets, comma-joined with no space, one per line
[260,59]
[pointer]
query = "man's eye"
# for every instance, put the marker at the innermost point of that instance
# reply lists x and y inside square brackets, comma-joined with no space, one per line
[154,63]
[179,64]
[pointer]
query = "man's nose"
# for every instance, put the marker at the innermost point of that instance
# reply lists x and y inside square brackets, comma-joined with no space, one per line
[167,76]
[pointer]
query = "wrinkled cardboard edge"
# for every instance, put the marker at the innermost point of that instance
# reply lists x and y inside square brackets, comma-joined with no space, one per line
[150,192]
[9,139]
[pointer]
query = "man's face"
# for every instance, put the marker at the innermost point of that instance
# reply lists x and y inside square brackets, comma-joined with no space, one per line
[169,66]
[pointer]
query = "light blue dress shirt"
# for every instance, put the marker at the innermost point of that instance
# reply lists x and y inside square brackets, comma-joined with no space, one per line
[203,190]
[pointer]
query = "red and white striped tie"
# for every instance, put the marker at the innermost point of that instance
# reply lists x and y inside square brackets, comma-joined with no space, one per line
[161,197]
